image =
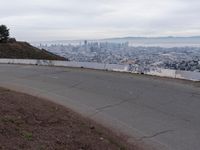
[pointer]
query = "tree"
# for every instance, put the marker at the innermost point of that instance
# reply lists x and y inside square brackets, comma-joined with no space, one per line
[4,33]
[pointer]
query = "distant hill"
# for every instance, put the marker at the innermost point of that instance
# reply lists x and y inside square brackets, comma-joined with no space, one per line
[158,37]
[23,50]
[169,41]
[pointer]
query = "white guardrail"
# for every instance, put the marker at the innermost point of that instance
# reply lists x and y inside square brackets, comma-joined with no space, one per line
[187,75]
[178,74]
[99,66]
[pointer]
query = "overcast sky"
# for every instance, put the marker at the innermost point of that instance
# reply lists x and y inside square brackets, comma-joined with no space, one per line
[36,20]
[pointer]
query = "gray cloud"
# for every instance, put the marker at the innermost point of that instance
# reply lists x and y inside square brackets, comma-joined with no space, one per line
[79,19]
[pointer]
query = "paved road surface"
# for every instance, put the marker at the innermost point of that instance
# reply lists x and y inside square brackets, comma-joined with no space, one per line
[161,112]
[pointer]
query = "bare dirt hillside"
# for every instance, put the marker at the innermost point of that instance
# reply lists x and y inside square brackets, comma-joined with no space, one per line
[30,123]
[23,50]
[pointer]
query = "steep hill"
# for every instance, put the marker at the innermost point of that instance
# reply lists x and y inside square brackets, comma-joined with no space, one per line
[23,50]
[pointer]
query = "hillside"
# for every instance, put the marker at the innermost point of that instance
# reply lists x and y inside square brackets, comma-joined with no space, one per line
[23,50]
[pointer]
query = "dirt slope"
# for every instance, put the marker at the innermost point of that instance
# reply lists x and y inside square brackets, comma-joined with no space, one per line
[30,123]
[23,50]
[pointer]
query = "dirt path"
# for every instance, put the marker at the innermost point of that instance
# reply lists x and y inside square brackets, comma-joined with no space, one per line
[27,122]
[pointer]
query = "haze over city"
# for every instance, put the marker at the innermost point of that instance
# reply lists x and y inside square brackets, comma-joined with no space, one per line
[36,20]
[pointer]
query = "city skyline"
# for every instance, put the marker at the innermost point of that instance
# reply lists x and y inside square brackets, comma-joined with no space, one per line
[36,20]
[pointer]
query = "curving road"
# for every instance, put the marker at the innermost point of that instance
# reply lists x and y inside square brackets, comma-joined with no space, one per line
[159,113]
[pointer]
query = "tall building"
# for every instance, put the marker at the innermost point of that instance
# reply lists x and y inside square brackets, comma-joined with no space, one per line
[86,45]
[85,42]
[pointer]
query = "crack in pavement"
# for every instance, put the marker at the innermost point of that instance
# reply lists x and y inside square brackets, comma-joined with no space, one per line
[101,109]
[154,135]
[112,105]
[195,94]
[43,74]
[76,84]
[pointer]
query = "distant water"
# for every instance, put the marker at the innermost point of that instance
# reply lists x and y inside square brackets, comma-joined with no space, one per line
[161,42]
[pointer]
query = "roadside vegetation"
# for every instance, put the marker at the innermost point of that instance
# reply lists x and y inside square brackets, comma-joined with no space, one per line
[10,48]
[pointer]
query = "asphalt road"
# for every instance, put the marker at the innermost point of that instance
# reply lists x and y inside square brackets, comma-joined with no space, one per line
[162,113]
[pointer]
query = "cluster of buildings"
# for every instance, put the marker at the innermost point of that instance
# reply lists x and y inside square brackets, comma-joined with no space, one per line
[138,58]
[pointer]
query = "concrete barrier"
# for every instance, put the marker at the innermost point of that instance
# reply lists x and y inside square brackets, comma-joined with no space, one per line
[187,75]
[178,74]
[78,64]
[116,67]
[162,72]
[89,65]
[18,61]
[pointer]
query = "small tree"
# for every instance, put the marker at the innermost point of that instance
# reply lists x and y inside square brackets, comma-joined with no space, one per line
[4,33]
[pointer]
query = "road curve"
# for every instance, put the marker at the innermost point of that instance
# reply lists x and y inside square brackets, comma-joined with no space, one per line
[163,113]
